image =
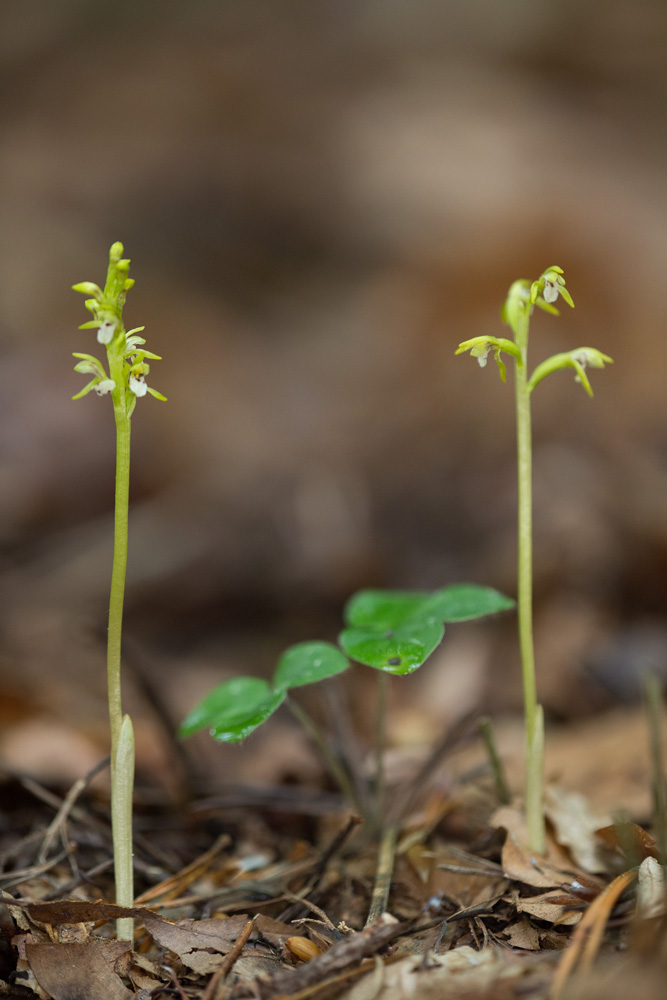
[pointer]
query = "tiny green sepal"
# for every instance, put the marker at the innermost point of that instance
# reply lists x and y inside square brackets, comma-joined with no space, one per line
[88,288]
[89,365]
[156,394]
[86,390]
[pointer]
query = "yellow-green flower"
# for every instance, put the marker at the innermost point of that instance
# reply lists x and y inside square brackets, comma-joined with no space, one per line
[481,347]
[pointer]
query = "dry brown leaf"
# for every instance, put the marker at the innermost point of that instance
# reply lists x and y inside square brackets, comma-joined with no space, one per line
[198,943]
[522,864]
[547,907]
[629,840]
[575,825]
[24,972]
[489,974]
[145,974]
[87,971]
[523,934]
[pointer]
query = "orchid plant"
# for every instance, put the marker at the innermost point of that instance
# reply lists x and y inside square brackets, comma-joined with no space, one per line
[124,380]
[522,297]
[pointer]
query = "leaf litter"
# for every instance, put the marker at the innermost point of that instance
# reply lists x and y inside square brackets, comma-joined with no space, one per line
[258,901]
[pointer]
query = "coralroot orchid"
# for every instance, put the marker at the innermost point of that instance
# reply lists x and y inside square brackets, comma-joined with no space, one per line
[124,382]
[521,299]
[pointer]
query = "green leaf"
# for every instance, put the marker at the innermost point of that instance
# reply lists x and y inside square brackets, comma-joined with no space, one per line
[234,709]
[463,601]
[306,663]
[396,651]
[382,609]
[397,631]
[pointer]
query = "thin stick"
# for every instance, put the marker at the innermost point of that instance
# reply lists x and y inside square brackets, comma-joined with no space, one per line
[383,874]
[336,768]
[345,953]
[653,695]
[340,720]
[211,992]
[380,738]
[502,788]
[66,807]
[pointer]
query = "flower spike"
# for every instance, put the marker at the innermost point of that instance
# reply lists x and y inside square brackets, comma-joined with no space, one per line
[126,353]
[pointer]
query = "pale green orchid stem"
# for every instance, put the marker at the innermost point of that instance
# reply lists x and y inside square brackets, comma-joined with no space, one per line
[122,739]
[533,711]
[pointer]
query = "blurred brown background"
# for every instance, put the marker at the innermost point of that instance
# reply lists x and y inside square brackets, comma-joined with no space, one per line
[320,200]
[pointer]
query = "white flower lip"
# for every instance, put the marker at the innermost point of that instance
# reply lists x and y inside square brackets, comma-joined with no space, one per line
[550,293]
[105,387]
[138,385]
[106,331]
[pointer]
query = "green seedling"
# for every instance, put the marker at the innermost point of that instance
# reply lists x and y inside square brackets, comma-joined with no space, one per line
[517,311]
[392,631]
[124,382]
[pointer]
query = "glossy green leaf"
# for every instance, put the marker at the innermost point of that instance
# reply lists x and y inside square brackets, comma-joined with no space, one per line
[464,601]
[306,663]
[397,631]
[396,651]
[382,609]
[234,709]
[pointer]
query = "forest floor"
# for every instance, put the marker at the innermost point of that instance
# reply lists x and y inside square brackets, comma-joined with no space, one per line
[256,890]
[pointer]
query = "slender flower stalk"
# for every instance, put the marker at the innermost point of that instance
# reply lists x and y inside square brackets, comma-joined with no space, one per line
[517,311]
[532,711]
[125,382]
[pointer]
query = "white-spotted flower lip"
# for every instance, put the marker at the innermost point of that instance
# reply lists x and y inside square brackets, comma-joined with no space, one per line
[105,331]
[105,387]
[550,291]
[138,385]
